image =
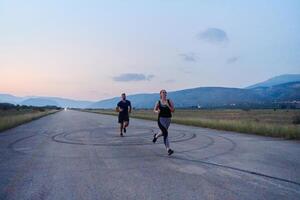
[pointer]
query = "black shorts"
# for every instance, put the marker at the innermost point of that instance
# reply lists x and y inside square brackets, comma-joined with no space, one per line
[123,118]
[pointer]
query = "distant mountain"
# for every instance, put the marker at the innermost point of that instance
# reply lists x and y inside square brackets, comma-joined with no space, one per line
[39,102]
[277,80]
[280,93]
[44,101]
[7,98]
[285,88]
[62,102]
[203,96]
[214,97]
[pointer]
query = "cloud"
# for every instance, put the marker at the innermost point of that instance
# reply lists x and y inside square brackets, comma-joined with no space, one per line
[232,60]
[149,77]
[213,35]
[170,81]
[133,77]
[93,91]
[190,57]
[97,92]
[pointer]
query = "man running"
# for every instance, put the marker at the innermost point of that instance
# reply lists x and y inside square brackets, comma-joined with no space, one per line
[124,108]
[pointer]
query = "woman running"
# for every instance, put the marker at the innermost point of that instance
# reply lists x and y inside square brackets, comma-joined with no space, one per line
[164,107]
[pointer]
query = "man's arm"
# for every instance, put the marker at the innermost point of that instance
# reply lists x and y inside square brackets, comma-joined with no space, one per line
[118,108]
[129,107]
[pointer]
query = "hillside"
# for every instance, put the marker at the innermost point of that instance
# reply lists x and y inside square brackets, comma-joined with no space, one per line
[284,88]
[277,80]
[214,97]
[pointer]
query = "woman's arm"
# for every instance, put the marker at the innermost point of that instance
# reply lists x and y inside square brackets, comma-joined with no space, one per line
[171,105]
[156,108]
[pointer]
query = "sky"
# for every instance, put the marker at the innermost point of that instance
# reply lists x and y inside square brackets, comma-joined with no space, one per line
[94,50]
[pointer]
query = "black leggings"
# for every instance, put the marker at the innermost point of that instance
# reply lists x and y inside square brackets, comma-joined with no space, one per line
[164,131]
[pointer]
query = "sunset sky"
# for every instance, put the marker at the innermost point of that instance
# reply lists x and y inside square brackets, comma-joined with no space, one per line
[93,50]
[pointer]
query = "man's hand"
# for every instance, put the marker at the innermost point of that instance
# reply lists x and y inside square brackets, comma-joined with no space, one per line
[118,109]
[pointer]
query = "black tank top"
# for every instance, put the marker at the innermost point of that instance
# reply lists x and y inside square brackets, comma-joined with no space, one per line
[164,110]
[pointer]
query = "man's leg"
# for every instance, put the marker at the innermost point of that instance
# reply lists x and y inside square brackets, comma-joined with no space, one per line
[121,122]
[126,123]
[121,129]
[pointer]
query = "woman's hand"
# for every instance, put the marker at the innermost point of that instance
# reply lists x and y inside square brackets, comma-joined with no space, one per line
[170,104]
[156,108]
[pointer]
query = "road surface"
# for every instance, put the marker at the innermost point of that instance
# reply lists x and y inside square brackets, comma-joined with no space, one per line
[79,155]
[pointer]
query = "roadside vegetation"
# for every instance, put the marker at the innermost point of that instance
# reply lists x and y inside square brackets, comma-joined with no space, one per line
[12,116]
[284,123]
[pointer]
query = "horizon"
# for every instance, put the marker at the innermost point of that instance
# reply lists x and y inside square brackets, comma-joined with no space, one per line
[132,94]
[96,50]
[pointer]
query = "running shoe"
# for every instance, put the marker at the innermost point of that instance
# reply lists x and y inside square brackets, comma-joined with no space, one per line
[170,152]
[154,138]
[121,134]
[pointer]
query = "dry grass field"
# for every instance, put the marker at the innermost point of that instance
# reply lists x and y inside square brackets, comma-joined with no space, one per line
[11,118]
[267,122]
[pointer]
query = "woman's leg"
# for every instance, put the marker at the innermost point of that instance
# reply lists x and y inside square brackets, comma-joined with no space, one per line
[163,124]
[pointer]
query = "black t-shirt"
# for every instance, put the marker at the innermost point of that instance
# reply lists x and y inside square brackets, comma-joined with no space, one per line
[124,106]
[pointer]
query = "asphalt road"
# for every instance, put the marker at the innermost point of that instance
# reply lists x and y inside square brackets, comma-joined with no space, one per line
[78,155]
